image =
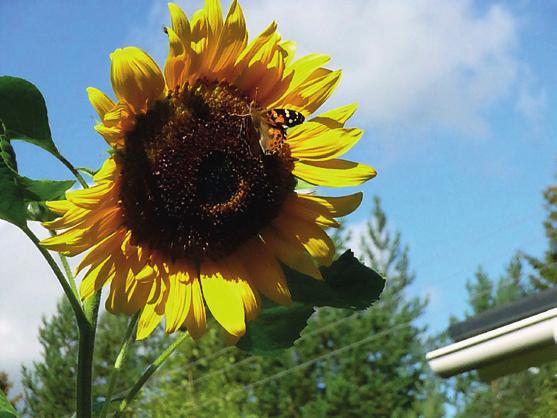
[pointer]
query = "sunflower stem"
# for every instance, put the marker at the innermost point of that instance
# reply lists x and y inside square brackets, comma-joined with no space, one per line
[126,342]
[69,274]
[67,269]
[72,297]
[86,349]
[153,367]
[73,170]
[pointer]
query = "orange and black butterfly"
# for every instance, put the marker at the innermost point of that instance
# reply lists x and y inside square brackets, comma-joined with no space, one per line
[272,125]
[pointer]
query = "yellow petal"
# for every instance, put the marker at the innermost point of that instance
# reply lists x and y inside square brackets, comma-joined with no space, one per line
[196,321]
[308,210]
[136,78]
[127,295]
[107,171]
[177,63]
[59,207]
[92,197]
[71,218]
[112,135]
[265,272]
[213,12]
[337,206]
[304,67]
[233,39]
[148,321]
[249,295]
[180,24]
[100,101]
[176,307]
[268,36]
[336,118]
[97,276]
[102,250]
[289,48]
[330,144]
[313,238]
[312,93]
[220,289]
[293,254]
[333,173]
[79,239]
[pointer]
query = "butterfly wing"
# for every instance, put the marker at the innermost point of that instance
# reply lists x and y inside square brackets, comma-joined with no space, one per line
[285,118]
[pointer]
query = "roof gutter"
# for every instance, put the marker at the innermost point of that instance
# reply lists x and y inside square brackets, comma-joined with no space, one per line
[501,351]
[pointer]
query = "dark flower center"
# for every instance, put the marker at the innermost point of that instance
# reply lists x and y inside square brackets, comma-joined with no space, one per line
[195,182]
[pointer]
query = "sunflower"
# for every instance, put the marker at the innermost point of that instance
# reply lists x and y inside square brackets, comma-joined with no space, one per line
[190,212]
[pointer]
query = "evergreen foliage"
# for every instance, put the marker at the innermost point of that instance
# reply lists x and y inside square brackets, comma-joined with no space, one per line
[545,268]
[378,370]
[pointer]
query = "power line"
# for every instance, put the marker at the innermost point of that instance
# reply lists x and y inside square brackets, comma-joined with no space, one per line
[308,363]
[332,325]
[329,326]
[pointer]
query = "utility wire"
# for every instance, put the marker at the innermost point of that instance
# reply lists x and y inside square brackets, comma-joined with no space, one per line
[332,326]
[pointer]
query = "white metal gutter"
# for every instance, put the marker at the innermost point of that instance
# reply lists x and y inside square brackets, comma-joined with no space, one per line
[504,350]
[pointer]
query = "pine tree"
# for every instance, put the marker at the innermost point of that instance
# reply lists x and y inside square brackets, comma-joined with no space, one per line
[545,269]
[506,396]
[378,372]
[49,389]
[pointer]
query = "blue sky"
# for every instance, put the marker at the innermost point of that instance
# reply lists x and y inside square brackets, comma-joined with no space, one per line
[458,100]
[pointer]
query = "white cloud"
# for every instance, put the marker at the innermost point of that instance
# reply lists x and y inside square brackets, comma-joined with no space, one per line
[417,64]
[29,291]
[532,101]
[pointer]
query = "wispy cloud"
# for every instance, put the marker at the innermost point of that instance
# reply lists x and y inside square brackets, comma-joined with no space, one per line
[29,291]
[421,64]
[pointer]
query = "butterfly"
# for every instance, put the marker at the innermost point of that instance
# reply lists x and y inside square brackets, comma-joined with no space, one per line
[271,126]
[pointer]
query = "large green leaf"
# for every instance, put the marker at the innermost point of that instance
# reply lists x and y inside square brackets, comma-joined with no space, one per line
[23,113]
[6,408]
[39,191]
[347,284]
[21,197]
[276,328]
[42,190]
[12,202]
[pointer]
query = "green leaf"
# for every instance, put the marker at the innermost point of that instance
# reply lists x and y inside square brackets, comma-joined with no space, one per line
[12,203]
[42,190]
[21,197]
[6,408]
[347,284]
[276,328]
[89,171]
[23,113]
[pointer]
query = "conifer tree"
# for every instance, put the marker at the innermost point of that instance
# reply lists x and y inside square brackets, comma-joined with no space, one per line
[545,268]
[378,371]
[508,396]
[49,383]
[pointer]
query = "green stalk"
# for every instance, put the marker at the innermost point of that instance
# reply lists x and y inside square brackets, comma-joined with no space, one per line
[126,342]
[153,367]
[85,356]
[69,274]
[72,298]
[67,269]
[73,170]
[87,331]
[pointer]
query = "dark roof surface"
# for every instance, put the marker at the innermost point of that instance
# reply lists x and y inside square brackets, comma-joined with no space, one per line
[498,317]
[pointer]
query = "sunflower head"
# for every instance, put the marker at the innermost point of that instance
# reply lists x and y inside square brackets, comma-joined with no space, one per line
[196,207]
